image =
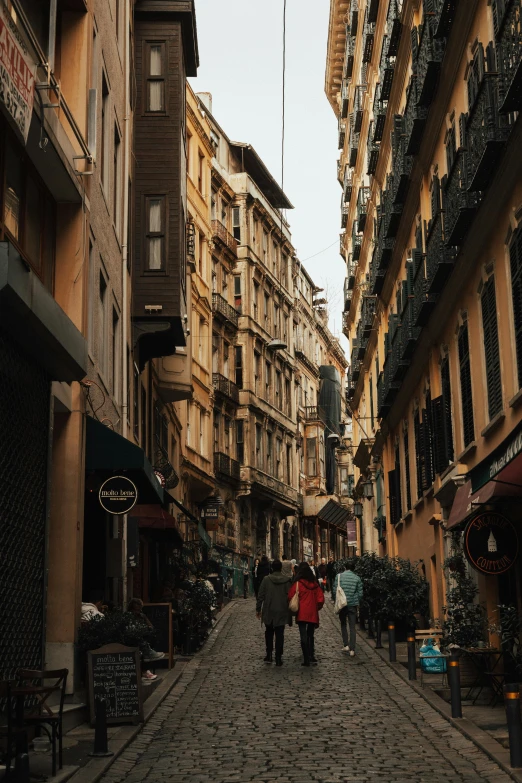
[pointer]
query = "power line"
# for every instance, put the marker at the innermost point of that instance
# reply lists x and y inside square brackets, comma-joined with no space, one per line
[320,251]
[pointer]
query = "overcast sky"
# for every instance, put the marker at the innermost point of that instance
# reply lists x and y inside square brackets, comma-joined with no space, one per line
[240,47]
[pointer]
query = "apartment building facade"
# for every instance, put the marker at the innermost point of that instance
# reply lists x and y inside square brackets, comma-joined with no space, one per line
[426,95]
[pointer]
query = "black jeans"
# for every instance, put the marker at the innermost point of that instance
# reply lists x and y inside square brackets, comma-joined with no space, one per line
[348,613]
[279,632]
[307,631]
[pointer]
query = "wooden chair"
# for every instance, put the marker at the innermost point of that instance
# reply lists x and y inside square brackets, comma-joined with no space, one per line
[42,685]
[429,633]
[9,731]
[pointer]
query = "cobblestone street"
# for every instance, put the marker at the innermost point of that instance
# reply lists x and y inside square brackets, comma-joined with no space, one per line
[232,718]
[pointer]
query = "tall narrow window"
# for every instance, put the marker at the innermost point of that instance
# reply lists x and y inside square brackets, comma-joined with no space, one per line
[468,425]
[418,429]
[155,207]
[491,350]
[201,172]
[237,293]
[407,468]
[446,402]
[255,301]
[311,456]
[217,422]
[189,427]
[238,353]
[105,131]
[240,445]
[116,185]
[265,313]
[372,414]
[136,401]
[215,352]
[515,259]
[269,467]
[226,353]
[91,294]
[202,432]
[288,398]
[116,355]
[236,223]
[143,412]
[102,324]
[289,477]
[257,373]
[259,446]
[279,463]
[201,340]
[155,69]
[268,380]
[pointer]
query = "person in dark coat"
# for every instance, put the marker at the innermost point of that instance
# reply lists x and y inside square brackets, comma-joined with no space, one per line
[272,608]
[311,600]
[263,569]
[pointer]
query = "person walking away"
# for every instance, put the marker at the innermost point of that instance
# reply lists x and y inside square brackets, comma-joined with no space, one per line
[263,570]
[272,608]
[254,576]
[288,569]
[321,573]
[246,575]
[311,600]
[353,590]
[312,567]
[330,574]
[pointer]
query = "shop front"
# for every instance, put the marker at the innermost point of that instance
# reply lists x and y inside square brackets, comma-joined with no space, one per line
[233,568]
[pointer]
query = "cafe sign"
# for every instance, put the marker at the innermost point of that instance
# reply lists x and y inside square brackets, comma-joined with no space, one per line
[118,495]
[491,543]
[17,74]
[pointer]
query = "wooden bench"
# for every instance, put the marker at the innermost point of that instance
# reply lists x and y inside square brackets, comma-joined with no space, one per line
[421,635]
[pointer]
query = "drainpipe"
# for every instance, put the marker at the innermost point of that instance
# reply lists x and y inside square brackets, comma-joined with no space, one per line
[124,273]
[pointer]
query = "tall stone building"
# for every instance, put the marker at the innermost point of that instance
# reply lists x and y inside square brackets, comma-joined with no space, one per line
[427,96]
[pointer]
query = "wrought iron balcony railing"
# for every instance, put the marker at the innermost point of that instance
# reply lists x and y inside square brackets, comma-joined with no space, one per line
[344,214]
[391,209]
[354,17]
[225,387]
[440,258]
[409,332]
[373,149]
[347,184]
[460,204]
[356,241]
[443,15]
[358,107]
[226,466]
[486,132]
[367,314]
[349,55]
[424,301]
[348,293]
[342,133]
[393,29]
[353,144]
[220,306]
[509,53]
[314,413]
[368,40]
[379,113]
[219,231]
[431,53]
[415,117]
[362,203]
[401,163]
[345,98]
[346,323]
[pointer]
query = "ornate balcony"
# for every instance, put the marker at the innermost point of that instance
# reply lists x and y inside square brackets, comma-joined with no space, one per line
[348,293]
[362,204]
[354,17]
[373,149]
[401,163]
[431,53]
[314,413]
[345,95]
[356,242]
[373,9]
[393,29]
[509,53]
[460,204]
[353,147]
[386,73]
[409,332]
[379,114]
[352,269]
[424,302]
[346,323]
[415,117]
[226,466]
[486,132]
[367,314]
[358,107]
[221,233]
[344,214]
[392,211]
[444,15]
[341,133]
[386,389]
[440,258]
[225,387]
[355,368]
[347,184]
[349,55]
[368,41]
[221,307]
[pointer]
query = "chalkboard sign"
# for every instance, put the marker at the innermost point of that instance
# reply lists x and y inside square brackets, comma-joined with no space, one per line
[160,616]
[114,675]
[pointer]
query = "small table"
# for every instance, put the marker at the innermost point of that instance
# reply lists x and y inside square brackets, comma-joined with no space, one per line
[485,660]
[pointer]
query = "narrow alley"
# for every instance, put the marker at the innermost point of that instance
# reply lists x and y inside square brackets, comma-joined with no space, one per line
[233,719]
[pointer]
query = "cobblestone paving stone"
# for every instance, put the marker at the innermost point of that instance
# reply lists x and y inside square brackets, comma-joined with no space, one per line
[233,719]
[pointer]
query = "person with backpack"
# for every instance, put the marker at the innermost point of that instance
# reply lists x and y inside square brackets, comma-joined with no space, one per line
[311,600]
[272,609]
[352,587]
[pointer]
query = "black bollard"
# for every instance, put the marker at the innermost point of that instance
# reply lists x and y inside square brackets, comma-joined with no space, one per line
[361,621]
[514,722]
[378,635]
[392,649]
[412,663]
[101,744]
[454,683]
[22,774]
[370,627]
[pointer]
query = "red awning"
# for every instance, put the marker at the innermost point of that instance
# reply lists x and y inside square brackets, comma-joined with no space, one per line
[467,502]
[154,517]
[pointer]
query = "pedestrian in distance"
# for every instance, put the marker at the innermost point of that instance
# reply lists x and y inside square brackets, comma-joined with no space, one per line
[311,563]
[263,569]
[288,569]
[352,587]
[254,576]
[330,573]
[272,609]
[321,572]
[311,600]
[246,577]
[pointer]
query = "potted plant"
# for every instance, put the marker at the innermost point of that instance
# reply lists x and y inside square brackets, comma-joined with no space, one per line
[465,622]
[508,626]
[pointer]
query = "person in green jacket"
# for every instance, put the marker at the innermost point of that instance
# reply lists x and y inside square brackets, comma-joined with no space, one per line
[353,590]
[272,608]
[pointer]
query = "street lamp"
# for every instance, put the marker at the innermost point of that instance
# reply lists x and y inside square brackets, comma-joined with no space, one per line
[358,509]
[368,489]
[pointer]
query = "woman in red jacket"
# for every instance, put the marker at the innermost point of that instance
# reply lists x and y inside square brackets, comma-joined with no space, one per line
[311,599]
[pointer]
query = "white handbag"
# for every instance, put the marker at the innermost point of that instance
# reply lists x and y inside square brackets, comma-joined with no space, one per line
[340,597]
[294,601]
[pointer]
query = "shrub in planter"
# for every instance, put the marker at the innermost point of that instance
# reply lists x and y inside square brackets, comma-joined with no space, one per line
[115,627]
[195,610]
[465,623]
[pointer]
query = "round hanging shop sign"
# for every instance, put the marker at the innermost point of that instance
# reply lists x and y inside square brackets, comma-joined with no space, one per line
[118,495]
[491,543]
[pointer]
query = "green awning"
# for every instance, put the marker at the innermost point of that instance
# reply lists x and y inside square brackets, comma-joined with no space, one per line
[112,454]
[504,464]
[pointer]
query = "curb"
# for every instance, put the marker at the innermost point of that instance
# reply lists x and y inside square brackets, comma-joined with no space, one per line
[470,730]
[94,770]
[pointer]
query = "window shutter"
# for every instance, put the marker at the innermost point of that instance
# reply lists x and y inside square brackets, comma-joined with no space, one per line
[407,470]
[428,446]
[468,424]
[392,488]
[398,482]
[475,75]
[435,197]
[446,402]
[440,460]
[462,131]
[414,43]
[491,349]
[515,258]
[419,453]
